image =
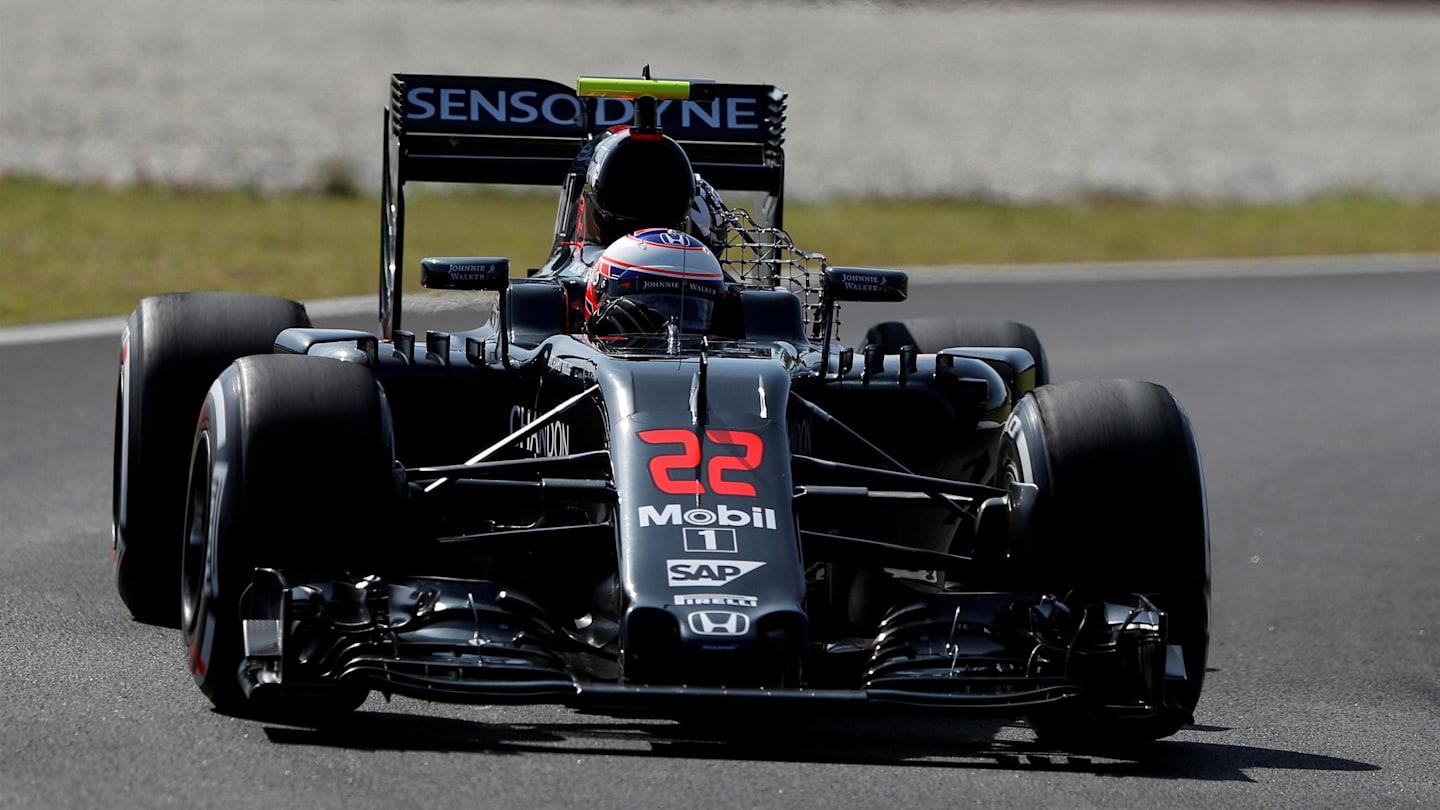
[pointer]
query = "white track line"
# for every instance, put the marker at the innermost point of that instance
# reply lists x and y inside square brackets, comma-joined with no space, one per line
[957,274]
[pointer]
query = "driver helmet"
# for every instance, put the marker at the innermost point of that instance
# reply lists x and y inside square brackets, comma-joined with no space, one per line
[647,279]
[634,180]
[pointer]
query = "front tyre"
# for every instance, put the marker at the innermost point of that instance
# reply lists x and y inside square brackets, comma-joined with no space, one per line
[1108,495]
[292,467]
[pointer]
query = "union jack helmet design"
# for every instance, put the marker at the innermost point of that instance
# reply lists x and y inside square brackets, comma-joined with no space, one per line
[649,278]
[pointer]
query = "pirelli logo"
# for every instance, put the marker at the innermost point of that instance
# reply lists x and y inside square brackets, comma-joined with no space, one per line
[716,600]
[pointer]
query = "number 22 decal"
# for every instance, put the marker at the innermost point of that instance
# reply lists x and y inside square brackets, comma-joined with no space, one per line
[662,467]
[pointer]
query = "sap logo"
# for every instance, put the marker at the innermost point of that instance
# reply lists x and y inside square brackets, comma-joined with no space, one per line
[707,573]
[716,599]
[703,540]
[671,515]
[719,623]
[522,107]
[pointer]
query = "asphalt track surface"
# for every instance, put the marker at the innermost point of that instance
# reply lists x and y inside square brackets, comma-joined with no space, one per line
[1316,399]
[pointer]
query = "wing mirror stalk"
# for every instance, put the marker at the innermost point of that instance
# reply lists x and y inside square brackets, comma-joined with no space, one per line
[486,273]
[856,284]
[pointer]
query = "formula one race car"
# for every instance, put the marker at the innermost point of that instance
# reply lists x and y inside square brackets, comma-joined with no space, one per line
[655,481]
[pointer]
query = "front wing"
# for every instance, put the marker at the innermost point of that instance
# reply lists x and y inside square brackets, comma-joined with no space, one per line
[472,641]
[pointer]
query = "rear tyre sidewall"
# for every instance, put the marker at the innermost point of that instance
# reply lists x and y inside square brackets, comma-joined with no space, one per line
[172,349]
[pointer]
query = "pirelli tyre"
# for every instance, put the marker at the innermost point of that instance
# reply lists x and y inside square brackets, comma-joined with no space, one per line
[292,468]
[929,335]
[1108,496]
[172,348]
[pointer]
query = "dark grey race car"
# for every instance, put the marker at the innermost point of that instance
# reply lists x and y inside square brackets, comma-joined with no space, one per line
[670,522]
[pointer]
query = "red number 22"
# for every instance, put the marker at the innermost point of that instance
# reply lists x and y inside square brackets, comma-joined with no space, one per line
[753,448]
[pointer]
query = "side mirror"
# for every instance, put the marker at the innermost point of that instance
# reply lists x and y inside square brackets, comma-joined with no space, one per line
[464,273]
[866,284]
[856,284]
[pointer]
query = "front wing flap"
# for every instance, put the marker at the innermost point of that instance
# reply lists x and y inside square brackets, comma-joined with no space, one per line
[471,641]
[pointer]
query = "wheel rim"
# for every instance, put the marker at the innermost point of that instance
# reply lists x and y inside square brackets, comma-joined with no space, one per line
[197,536]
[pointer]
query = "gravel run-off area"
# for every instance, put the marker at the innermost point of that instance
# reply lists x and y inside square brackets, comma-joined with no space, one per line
[1026,102]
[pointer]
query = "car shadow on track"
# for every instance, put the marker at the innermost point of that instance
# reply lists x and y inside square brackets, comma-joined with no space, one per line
[852,740]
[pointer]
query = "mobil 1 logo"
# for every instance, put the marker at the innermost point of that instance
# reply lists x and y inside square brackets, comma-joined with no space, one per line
[711,540]
[672,514]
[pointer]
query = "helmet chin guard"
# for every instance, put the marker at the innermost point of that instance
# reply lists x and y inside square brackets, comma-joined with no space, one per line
[649,279]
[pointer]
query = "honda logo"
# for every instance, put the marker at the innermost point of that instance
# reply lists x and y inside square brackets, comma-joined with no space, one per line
[675,238]
[719,623]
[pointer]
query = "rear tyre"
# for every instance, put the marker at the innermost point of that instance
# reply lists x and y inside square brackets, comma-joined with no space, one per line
[930,335]
[172,349]
[1114,502]
[292,468]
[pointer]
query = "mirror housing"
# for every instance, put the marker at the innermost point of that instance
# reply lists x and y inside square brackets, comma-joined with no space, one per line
[856,284]
[866,284]
[465,273]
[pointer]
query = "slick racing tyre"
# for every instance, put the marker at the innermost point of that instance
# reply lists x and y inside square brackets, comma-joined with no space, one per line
[1113,501]
[930,335]
[173,347]
[292,468]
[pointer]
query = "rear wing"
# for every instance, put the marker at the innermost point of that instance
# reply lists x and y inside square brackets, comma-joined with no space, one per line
[487,129]
[493,129]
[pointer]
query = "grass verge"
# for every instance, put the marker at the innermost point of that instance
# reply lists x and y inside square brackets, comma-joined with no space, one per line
[75,251]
